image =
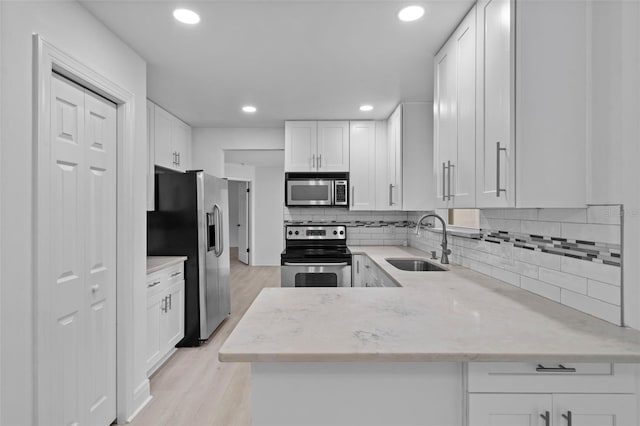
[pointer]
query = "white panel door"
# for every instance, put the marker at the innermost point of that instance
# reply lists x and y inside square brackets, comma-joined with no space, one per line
[300,146]
[243,222]
[445,127]
[174,315]
[394,140]
[333,146]
[164,152]
[155,311]
[180,142]
[100,256]
[68,203]
[463,174]
[509,409]
[83,253]
[495,164]
[362,165]
[595,410]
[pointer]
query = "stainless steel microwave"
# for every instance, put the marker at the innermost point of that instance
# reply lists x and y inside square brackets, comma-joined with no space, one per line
[317,189]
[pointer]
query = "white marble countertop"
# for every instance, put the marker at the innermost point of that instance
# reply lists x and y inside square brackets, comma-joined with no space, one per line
[456,316]
[156,263]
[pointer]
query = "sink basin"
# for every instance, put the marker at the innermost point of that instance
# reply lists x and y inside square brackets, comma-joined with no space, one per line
[414,265]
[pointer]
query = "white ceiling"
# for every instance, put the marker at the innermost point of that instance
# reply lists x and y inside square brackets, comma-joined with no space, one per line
[291,59]
[255,157]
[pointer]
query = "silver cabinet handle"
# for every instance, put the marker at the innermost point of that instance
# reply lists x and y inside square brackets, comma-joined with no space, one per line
[319,161]
[444,191]
[391,194]
[559,369]
[313,161]
[498,189]
[153,284]
[163,305]
[175,274]
[357,266]
[178,154]
[568,417]
[547,418]
[353,198]
[169,301]
[449,166]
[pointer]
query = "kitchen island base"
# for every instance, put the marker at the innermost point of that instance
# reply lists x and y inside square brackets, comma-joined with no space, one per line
[341,394]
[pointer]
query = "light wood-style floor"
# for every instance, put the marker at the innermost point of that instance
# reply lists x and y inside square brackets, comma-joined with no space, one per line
[193,388]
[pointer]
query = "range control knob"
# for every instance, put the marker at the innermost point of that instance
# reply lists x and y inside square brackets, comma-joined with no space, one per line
[341,232]
[335,232]
[297,232]
[290,232]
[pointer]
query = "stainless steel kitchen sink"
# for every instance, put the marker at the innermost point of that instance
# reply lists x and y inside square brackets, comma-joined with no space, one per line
[415,265]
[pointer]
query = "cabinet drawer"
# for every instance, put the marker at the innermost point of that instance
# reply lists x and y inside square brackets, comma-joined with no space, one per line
[156,282]
[175,273]
[551,377]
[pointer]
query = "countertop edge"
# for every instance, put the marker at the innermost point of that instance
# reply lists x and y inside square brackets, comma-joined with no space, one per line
[169,261]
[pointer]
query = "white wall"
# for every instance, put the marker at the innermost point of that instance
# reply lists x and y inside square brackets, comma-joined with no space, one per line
[615,111]
[68,26]
[233,213]
[209,144]
[267,234]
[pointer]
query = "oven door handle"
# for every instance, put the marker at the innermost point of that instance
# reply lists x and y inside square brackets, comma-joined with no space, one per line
[315,264]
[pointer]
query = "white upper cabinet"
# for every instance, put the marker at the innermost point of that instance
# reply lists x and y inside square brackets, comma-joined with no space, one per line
[532,92]
[455,118]
[171,139]
[362,157]
[333,146]
[300,146]
[394,155]
[316,146]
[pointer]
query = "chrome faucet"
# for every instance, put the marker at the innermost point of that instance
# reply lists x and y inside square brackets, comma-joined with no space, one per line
[445,250]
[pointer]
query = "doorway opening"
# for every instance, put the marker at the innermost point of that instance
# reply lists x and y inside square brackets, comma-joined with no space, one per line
[239,224]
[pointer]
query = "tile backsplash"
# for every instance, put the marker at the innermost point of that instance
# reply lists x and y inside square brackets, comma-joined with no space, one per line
[571,256]
[364,228]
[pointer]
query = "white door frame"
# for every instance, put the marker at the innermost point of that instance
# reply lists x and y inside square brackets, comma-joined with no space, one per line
[48,58]
[250,221]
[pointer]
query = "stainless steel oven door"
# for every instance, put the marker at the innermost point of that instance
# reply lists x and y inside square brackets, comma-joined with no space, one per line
[316,275]
[312,192]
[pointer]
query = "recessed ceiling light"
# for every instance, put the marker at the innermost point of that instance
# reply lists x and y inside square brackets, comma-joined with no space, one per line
[411,13]
[249,108]
[366,108]
[186,16]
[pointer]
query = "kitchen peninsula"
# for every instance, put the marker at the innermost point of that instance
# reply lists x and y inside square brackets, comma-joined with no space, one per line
[429,352]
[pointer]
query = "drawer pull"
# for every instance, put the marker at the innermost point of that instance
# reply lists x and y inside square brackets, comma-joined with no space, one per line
[175,274]
[569,418]
[546,417]
[559,369]
[153,284]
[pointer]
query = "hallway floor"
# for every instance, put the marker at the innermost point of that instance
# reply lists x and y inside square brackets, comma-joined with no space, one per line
[193,388]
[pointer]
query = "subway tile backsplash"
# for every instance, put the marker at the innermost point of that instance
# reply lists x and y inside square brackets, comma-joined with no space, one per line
[571,256]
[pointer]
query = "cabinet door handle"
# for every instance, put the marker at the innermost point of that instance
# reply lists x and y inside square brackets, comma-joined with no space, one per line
[357,266]
[444,182]
[391,194]
[153,284]
[449,178]
[178,155]
[353,199]
[568,417]
[175,274]
[547,418]
[498,189]
[559,369]
[313,161]
[319,161]
[163,305]
[169,301]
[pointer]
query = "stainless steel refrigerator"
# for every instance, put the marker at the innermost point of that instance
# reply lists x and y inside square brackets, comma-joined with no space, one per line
[191,220]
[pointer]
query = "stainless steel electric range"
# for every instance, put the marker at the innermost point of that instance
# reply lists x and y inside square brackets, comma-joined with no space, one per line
[316,255]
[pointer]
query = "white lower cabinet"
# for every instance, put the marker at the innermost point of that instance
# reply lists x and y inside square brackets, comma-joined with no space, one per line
[552,410]
[357,270]
[165,315]
[551,394]
[367,274]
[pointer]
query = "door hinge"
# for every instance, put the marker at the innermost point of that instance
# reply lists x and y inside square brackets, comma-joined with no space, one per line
[248,190]
[247,250]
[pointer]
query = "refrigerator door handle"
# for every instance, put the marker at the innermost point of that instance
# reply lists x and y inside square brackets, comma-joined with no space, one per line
[219,243]
[210,223]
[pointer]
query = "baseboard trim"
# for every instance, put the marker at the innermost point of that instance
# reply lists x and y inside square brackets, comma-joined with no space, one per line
[141,398]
